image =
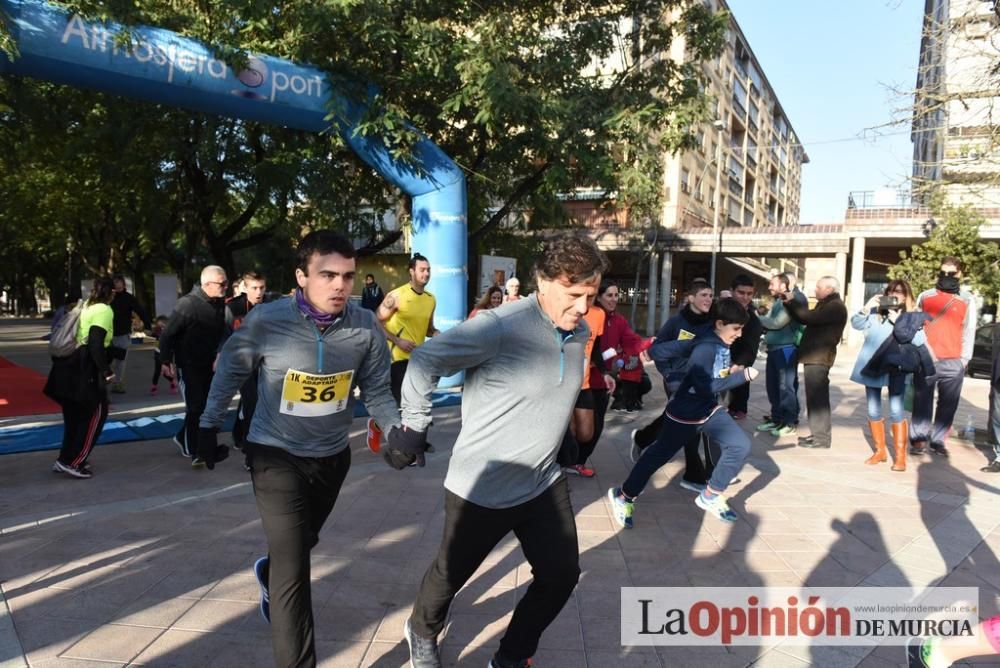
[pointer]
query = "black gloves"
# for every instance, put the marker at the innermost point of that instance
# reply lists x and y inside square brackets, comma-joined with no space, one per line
[404,447]
[209,451]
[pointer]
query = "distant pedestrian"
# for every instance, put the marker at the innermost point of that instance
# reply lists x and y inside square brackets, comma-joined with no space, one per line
[492,299]
[781,378]
[79,383]
[189,347]
[513,287]
[744,350]
[817,352]
[238,308]
[951,333]
[877,320]
[159,325]
[371,294]
[124,304]
[994,466]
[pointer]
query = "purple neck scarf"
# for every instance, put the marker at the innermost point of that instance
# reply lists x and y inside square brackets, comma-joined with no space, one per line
[321,319]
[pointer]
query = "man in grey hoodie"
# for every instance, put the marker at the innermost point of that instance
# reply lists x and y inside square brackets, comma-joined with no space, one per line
[311,351]
[524,364]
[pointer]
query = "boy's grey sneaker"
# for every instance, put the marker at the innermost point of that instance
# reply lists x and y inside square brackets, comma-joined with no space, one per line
[423,651]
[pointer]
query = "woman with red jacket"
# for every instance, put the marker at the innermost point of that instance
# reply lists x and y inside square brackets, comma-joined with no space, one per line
[618,342]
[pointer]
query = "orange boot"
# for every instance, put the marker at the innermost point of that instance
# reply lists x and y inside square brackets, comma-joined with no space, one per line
[900,437]
[878,435]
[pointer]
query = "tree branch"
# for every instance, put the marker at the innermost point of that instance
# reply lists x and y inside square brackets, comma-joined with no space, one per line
[524,188]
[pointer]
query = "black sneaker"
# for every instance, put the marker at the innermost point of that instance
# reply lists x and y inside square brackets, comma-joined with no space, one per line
[994,467]
[939,449]
[918,447]
[221,453]
[182,446]
[499,662]
[261,570]
[423,651]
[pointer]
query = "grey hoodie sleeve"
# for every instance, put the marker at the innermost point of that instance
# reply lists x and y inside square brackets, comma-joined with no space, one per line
[373,379]
[463,347]
[237,360]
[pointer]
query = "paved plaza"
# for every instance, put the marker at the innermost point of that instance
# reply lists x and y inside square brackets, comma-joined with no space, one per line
[149,562]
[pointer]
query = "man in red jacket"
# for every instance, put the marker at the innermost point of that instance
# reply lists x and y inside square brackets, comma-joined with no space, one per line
[950,332]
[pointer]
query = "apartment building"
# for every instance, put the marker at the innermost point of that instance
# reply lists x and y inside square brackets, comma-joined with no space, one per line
[956,119]
[749,161]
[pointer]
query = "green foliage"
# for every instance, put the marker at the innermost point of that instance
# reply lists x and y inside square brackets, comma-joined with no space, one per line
[531,98]
[955,233]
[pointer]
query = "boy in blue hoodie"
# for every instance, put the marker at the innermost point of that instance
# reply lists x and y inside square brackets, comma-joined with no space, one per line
[695,409]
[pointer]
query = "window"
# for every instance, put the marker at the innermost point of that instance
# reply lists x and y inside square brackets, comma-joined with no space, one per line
[685,180]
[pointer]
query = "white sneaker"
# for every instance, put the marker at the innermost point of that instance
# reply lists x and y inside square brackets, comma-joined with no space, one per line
[716,506]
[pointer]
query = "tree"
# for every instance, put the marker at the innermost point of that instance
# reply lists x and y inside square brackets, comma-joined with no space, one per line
[955,233]
[532,98]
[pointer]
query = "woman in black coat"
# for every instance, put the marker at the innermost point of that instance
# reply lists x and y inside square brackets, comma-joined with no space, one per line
[79,383]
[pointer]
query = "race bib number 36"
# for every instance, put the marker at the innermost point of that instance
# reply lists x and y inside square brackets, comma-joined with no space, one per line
[314,395]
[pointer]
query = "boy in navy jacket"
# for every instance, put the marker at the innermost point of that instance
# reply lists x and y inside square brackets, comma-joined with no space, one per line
[695,409]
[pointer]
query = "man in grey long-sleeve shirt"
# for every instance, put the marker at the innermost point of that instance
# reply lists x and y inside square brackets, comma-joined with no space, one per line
[311,351]
[524,365]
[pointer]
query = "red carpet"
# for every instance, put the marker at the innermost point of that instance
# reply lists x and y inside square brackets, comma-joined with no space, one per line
[21,391]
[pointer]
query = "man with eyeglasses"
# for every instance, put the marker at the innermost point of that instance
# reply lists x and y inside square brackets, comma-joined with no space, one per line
[951,331]
[189,347]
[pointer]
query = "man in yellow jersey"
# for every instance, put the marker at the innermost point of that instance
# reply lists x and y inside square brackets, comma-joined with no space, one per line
[407,314]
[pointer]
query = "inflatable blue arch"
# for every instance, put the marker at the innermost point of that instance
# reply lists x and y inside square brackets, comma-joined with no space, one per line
[162,66]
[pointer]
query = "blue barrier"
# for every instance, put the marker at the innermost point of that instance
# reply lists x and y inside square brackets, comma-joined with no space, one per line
[49,437]
[162,66]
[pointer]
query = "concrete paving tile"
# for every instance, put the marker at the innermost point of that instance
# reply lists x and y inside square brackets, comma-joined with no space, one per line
[387,655]
[564,633]
[177,648]
[347,623]
[490,601]
[44,639]
[113,643]
[216,616]
[367,595]
[242,587]
[153,612]
[475,630]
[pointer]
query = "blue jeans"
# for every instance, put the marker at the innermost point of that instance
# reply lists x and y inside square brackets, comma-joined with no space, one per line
[995,398]
[721,429]
[928,425]
[782,381]
[874,395]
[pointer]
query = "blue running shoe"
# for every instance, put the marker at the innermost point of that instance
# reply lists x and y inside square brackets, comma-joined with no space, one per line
[621,509]
[261,568]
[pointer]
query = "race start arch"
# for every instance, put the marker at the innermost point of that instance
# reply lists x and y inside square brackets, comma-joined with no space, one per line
[162,66]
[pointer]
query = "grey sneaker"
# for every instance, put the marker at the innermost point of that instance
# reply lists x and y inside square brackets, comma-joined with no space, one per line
[423,651]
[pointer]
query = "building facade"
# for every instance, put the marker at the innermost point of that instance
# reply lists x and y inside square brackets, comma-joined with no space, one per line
[956,112]
[748,166]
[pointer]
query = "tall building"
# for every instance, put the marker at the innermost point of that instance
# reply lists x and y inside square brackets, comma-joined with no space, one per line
[749,160]
[956,115]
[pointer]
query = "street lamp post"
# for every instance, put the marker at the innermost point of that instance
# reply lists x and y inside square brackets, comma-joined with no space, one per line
[719,126]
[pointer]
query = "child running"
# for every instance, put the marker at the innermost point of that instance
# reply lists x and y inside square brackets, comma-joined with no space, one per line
[695,408]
